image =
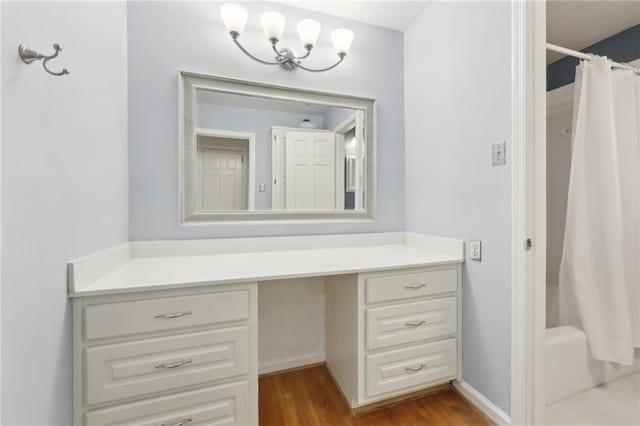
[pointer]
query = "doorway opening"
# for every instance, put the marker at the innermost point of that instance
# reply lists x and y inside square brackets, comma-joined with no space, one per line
[350,162]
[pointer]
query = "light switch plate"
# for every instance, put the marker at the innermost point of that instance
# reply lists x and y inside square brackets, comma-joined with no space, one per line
[498,154]
[475,250]
[261,187]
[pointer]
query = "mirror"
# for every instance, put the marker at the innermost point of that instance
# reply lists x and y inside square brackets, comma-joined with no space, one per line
[250,151]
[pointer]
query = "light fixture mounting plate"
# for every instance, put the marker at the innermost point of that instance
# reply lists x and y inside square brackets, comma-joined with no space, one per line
[287,58]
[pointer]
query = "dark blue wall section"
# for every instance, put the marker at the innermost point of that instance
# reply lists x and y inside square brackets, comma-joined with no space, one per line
[621,47]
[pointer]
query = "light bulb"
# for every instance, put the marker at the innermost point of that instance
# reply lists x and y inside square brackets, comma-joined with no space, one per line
[342,39]
[309,30]
[273,24]
[234,17]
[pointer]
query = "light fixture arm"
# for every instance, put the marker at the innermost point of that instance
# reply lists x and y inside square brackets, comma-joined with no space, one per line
[274,46]
[285,57]
[234,36]
[308,47]
[306,55]
[341,55]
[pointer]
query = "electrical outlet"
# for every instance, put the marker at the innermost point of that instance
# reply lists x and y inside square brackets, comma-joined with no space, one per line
[261,187]
[475,250]
[498,154]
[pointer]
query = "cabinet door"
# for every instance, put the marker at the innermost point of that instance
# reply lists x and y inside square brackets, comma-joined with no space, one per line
[411,367]
[132,369]
[226,404]
[390,287]
[165,314]
[410,322]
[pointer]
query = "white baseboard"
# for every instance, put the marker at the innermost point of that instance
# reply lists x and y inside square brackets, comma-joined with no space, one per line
[284,364]
[482,403]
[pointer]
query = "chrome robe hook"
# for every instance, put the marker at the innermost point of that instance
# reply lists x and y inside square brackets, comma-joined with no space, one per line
[29,56]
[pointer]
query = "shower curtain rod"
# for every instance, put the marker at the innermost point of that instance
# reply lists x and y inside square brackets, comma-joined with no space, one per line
[587,56]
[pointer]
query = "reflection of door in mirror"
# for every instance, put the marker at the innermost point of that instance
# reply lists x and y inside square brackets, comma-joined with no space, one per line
[310,170]
[222,181]
[222,173]
[303,165]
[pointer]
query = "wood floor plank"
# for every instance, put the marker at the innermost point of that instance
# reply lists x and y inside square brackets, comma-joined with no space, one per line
[309,397]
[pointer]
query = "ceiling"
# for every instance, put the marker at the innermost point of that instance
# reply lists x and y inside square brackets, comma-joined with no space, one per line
[396,15]
[575,24]
[579,24]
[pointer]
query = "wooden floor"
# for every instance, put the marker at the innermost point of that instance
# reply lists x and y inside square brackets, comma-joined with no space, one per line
[310,397]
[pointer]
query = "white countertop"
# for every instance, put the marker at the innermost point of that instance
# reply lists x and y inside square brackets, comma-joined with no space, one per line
[155,273]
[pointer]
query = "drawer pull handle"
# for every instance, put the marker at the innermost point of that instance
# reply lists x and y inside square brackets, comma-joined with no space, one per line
[415,287]
[174,364]
[416,368]
[415,324]
[173,315]
[181,422]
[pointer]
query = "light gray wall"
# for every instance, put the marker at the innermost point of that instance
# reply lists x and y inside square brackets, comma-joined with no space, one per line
[259,122]
[457,103]
[64,188]
[166,37]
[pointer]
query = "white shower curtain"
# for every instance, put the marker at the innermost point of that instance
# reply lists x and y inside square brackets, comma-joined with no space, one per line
[600,268]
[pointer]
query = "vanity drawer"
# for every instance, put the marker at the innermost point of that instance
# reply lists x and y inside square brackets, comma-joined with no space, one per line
[224,404]
[410,322]
[410,367]
[141,316]
[137,368]
[404,286]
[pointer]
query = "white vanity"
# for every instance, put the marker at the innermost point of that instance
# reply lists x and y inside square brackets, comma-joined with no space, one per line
[165,333]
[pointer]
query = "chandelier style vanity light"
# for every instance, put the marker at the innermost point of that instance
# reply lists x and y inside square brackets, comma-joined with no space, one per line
[235,19]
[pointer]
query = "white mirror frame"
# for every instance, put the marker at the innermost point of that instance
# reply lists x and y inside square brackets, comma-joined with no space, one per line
[189,83]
